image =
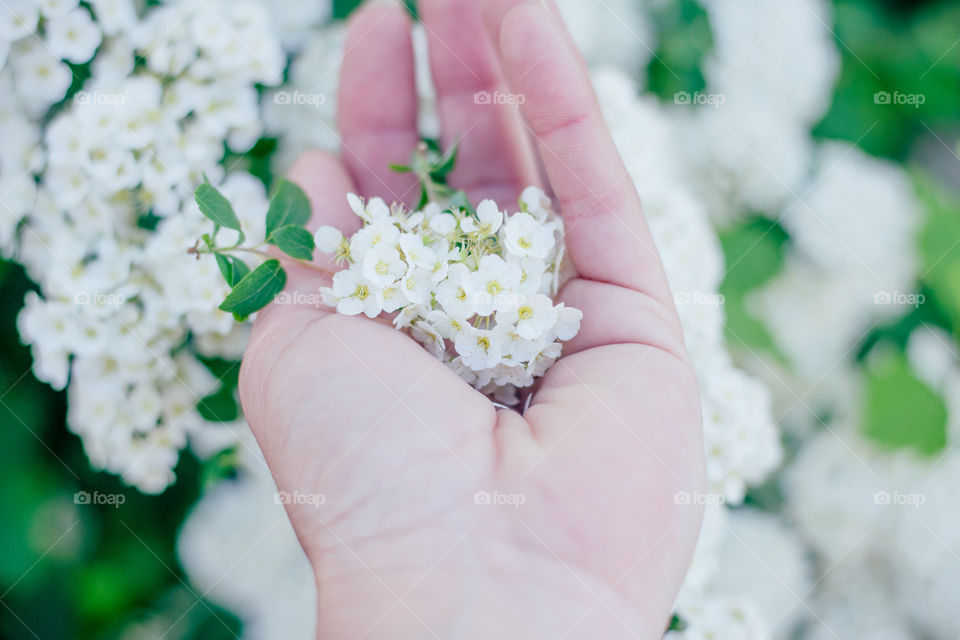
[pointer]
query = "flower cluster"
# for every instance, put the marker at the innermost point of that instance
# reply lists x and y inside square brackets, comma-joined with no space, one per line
[473,287]
[98,203]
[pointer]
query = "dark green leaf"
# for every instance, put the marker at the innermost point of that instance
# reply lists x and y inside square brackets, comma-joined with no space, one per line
[220,406]
[445,164]
[233,269]
[256,290]
[294,241]
[343,8]
[215,206]
[424,197]
[289,205]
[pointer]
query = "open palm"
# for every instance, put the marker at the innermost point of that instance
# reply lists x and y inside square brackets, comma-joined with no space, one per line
[440,515]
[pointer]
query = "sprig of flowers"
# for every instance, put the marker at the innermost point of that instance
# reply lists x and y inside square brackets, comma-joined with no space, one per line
[474,286]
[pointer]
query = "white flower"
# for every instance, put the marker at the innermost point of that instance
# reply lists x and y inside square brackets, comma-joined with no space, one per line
[488,220]
[532,272]
[375,208]
[491,287]
[427,335]
[568,322]
[517,349]
[438,264]
[393,298]
[545,359]
[443,224]
[535,202]
[41,79]
[534,317]
[330,240]
[452,295]
[415,253]
[56,8]
[114,16]
[73,37]
[355,295]
[18,19]
[381,232]
[525,236]
[415,285]
[479,349]
[447,325]
[383,266]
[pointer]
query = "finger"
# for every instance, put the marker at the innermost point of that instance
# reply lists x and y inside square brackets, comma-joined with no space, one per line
[326,182]
[494,11]
[607,237]
[495,159]
[378,102]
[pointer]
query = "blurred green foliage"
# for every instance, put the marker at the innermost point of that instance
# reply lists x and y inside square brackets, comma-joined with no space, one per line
[887,49]
[73,570]
[912,51]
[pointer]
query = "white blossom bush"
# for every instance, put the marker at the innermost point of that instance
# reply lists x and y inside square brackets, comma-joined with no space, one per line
[98,202]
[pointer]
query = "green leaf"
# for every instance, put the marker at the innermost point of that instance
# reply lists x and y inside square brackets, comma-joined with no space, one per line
[215,206]
[233,269]
[400,168]
[256,290]
[753,253]
[294,241]
[424,197]
[343,8]
[220,406]
[901,411]
[289,205]
[445,164]
[939,249]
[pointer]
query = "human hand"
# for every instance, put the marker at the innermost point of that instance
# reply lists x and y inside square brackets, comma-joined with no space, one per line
[588,539]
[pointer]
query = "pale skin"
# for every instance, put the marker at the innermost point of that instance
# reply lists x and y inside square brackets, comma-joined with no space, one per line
[588,539]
